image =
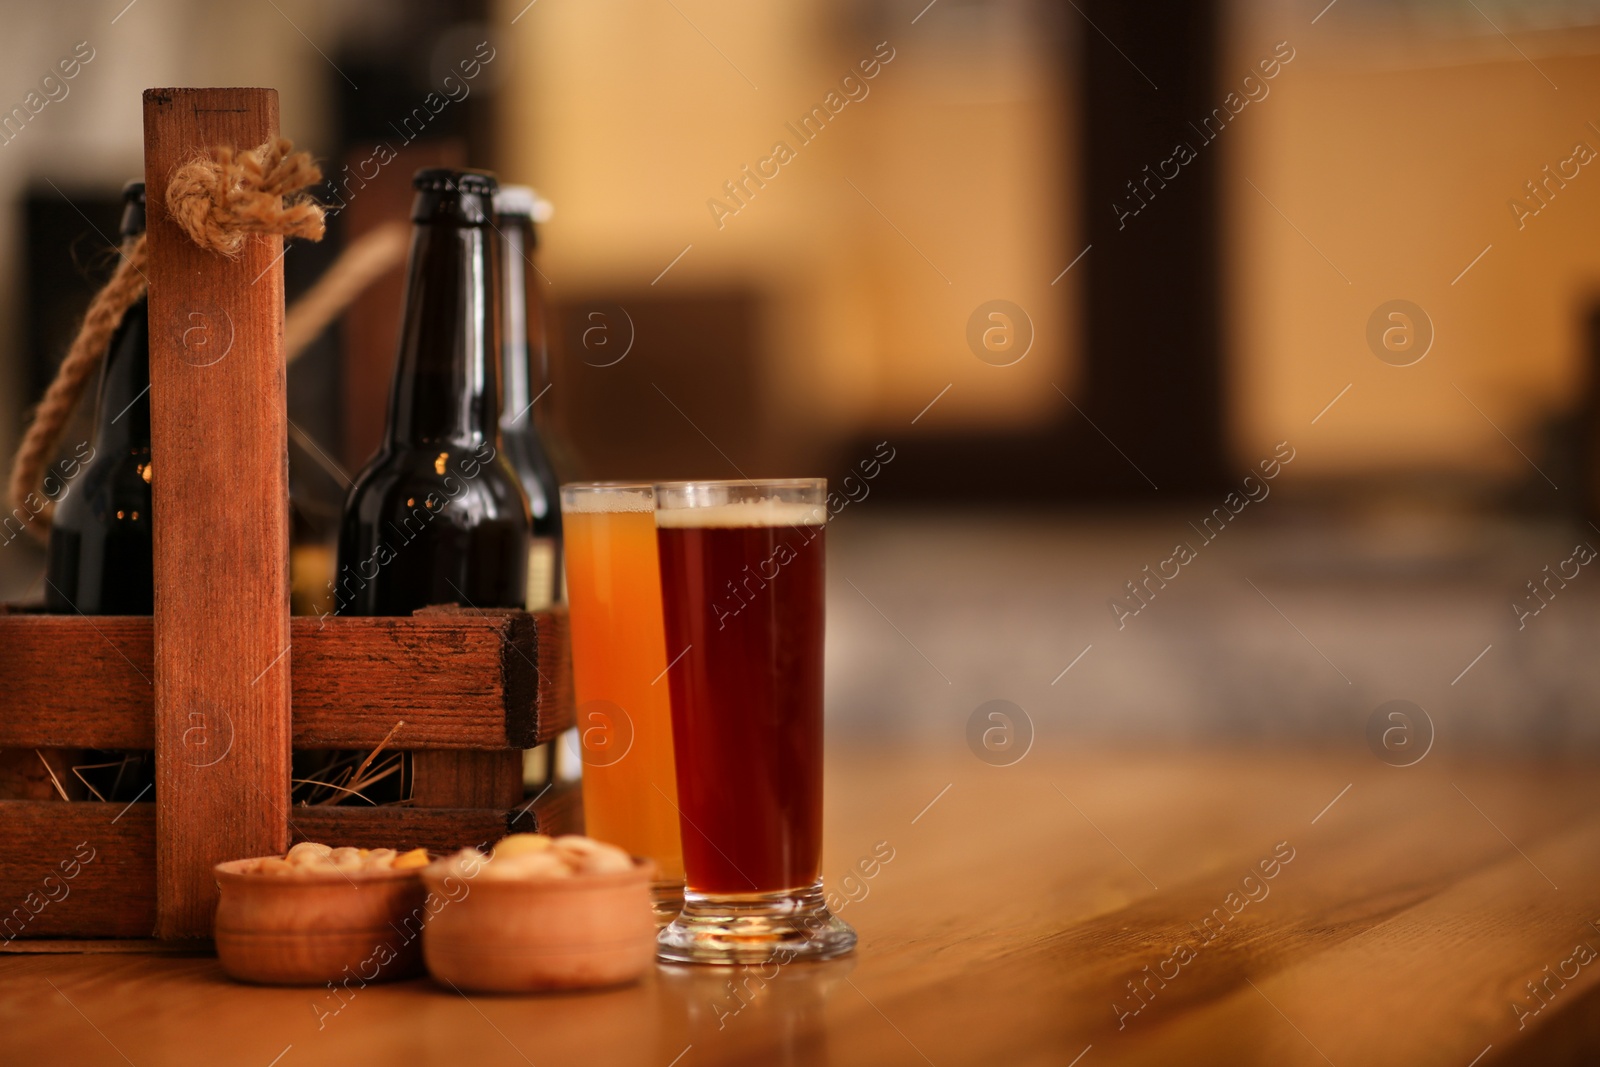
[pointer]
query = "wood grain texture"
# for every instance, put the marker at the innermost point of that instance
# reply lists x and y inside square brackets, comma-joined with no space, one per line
[84,869]
[475,779]
[1017,905]
[219,445]
[112,895]
[537,654]
[457,681]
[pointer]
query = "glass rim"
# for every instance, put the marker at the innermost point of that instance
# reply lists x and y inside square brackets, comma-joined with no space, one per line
[747,483]
[606,487]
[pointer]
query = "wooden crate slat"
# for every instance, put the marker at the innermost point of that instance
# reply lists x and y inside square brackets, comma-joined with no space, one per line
[479,779]
[78,682]
[459,681]
[219,447]
[113,894]
[556,810]
[467,682]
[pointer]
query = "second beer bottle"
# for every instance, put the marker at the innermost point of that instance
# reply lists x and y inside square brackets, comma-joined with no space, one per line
[438,516]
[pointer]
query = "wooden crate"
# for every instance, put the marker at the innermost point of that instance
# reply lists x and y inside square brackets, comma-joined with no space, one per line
[480,683]
[208,682]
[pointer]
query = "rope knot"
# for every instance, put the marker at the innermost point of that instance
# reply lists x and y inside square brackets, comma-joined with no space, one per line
[222,200]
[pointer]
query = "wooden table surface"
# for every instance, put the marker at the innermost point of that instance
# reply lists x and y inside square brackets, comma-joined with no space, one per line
[1408,911]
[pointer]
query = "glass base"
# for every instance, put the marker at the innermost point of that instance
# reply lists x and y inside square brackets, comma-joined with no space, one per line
[666,900]
[733,928]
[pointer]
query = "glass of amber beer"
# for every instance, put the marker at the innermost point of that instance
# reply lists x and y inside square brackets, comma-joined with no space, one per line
[619,664]
[742,590]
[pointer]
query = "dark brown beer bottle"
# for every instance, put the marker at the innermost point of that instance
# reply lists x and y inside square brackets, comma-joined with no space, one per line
[101,548]
[438,516]
[524,375]
[100,543]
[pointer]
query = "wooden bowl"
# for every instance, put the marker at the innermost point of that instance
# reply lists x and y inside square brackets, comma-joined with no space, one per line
[525,935]
[315,927]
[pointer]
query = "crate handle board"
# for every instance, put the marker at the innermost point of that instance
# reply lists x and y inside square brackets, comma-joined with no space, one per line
[219,450]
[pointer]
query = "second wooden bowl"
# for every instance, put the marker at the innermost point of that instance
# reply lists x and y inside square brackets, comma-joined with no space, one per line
[513,935]
[311,928]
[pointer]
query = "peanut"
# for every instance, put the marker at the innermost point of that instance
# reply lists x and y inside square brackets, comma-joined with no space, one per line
[307,852]
[521,844]
[607,862]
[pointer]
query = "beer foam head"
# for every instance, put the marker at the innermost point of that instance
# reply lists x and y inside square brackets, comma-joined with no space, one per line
[744,513]
[607,501]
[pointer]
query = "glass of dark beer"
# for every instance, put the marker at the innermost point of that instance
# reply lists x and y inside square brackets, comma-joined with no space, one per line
[742,586]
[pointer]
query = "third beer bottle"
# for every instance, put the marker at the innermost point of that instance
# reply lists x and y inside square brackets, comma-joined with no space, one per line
[438,516]
[524,377]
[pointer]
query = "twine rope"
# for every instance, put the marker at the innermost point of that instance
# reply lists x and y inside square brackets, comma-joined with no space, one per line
[218,201]
[126,287]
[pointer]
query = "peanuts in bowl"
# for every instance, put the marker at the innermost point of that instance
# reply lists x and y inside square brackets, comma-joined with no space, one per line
[320,914]
[309,857]
[540,913]
[536,856]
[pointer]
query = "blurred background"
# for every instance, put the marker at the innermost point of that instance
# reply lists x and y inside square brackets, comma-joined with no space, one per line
[1308,289]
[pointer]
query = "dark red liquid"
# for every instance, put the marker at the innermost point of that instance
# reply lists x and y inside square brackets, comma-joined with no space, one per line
[747,603]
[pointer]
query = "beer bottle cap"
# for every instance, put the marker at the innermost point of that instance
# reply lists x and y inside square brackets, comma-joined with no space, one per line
[464,197]
[132,209]
[523,202]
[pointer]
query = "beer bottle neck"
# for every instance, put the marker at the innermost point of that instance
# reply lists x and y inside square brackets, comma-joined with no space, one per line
[447,381]
[122,416]
[525,362]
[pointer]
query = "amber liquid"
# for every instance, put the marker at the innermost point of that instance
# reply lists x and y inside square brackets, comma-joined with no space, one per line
[747,602]
[624,710]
